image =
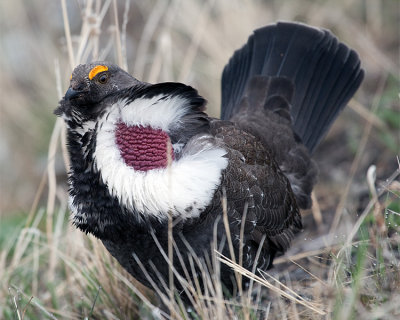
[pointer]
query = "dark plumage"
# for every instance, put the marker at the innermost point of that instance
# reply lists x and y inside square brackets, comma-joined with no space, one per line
[280,94]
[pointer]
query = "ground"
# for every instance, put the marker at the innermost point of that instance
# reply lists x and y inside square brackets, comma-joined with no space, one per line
[338,268]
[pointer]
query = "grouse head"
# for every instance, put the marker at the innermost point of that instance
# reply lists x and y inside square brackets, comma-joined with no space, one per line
[130,131]
[90,84]
[172,110]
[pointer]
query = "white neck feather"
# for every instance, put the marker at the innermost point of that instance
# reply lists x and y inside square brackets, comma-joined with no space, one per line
[185,188]
[158,112]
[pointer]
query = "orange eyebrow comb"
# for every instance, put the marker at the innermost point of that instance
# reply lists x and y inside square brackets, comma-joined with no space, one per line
[96,70]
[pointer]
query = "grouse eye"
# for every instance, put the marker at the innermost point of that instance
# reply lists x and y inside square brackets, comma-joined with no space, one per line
[103,78]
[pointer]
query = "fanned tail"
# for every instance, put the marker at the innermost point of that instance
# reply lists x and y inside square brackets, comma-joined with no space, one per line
[325,74]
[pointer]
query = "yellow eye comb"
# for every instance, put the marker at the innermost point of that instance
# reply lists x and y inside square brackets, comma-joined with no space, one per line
[96,70]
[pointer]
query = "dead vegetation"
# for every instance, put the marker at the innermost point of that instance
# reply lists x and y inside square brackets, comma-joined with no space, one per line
[346,263]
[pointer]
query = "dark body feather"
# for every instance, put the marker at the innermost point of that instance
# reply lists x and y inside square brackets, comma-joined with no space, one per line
[286,86]
[280,93]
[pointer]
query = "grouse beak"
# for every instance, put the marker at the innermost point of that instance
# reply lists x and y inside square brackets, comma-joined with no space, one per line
[71,94]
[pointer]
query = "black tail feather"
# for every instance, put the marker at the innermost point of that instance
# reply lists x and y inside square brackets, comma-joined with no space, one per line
[325,74]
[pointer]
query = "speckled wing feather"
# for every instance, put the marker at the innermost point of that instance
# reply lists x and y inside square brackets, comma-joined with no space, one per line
[258,190]
[264,111]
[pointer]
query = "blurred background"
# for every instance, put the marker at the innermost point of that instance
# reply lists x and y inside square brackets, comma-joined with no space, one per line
[51,268]
[188,41]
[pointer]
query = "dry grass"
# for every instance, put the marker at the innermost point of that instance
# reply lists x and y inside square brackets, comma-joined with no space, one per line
[49,270]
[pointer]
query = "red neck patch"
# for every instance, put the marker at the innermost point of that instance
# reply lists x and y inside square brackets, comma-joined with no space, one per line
[143,148]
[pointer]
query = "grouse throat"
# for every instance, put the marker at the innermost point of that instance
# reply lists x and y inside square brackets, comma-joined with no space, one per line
[143,148]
